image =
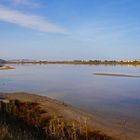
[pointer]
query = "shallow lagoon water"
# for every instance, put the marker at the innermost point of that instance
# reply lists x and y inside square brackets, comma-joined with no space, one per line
[111,98]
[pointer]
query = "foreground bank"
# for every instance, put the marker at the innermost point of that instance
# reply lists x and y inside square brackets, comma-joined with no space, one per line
[28,116]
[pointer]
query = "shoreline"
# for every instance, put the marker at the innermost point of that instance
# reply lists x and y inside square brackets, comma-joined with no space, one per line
[6,68]
[79,62]
[69,113]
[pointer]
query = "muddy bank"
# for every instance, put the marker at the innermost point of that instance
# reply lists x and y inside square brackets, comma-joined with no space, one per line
[57,119]
[116,75]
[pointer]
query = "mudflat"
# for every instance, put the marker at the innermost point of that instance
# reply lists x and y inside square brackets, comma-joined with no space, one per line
[117,75]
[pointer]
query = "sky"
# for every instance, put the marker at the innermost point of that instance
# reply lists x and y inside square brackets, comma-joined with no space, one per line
[69,29]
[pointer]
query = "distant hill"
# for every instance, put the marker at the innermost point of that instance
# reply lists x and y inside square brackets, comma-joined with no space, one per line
[2,61]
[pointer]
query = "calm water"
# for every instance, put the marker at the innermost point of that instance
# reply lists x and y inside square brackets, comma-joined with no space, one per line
[111,98]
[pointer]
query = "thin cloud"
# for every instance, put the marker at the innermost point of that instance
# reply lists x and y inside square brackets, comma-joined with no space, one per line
[29,3]
[29,21]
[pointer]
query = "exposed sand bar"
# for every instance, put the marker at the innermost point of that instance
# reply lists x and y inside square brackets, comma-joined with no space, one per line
[117,75]
[6,68]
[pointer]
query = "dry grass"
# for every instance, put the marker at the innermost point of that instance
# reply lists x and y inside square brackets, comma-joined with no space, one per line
[26,120]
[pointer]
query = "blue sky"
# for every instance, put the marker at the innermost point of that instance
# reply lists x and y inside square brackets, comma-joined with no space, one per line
[70,29]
